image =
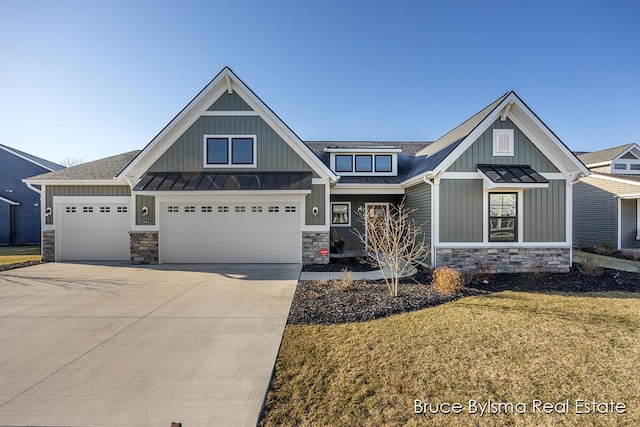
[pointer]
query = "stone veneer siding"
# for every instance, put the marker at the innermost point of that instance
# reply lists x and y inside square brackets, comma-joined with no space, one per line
[144,247]
[505,260]
[48,246]
[311,245]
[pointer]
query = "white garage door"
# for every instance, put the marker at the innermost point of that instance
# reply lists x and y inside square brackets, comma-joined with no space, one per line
[93,231]
[231,232]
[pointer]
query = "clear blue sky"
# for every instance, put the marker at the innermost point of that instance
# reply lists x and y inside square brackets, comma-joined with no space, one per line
[90,79]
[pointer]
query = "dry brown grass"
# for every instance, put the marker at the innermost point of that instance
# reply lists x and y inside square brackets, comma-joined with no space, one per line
[344,281]
[590,266]
[19,254]
[446,280]
[508,347]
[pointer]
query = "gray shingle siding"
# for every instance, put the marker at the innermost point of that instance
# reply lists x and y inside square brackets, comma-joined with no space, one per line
[419,197]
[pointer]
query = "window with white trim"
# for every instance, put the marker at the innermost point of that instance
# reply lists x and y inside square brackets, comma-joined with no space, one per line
[240,209]
[383,162]
[503,217]
[620,166]
[71,209]
[274,209]
[122,209]
[189,209]
[229,151]
[105,209]
[206,209]
[171,209]
[223,209]
[341,214]
[289,208]
[256,209]
[87,209]
[503,142]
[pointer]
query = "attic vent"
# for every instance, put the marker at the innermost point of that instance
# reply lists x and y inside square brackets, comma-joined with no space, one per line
[503,142]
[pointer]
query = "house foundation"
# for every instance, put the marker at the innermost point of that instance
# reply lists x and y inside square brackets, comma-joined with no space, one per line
[505,260]
[144,247]
[48,246]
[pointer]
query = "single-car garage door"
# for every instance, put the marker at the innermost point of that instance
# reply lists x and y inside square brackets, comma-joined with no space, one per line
[232,232]
[93,231]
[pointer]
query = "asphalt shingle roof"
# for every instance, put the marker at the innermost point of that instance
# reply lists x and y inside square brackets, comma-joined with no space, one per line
[606,155]
[407,147]
[106,168]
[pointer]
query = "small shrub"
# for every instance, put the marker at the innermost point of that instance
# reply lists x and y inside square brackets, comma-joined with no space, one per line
[589,266]
[446,280]
[483,272]
[344,281]
[604,250]
[323,282]
[314,295]
[540,271]
[468,277]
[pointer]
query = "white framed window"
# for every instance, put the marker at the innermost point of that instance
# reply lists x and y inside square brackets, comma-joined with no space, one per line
[223,209]
[256,209]
[274,209]
[123,209]
[87,209]
[71,209]
[240,209]
[620,166]
[172,209]
[105,209]
[365,162]
[503,217]
[341,214]
[190,209]
[503,142]
[289,208]
[206,209]
[230,151]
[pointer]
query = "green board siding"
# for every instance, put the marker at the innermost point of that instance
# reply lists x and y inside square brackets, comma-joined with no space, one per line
[231,102]
[316,198]
[461,210]
[149,202]
[187,153]
[419,197]
[629,224]
[481,152]
[544,213]
[346,233]
[82,190]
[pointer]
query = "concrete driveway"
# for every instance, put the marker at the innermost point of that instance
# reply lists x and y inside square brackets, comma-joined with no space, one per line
[120,345]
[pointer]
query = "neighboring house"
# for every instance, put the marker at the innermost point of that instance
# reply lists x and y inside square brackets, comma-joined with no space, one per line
[606,204]
[227,181]
[19,206]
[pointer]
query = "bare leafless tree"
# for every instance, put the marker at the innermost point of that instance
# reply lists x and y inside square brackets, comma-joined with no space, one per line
[393,241]
[71,161]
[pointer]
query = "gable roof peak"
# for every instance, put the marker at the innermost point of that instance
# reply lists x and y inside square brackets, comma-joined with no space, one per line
[606,155]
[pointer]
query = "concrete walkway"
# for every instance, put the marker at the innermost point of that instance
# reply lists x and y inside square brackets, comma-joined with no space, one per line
[97,345]
[609,262]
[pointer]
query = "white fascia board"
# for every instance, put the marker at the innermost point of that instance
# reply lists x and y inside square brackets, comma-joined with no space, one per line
[363,150]
[629,196]
[76,182]
[11,202]
[417,179]
[615,179]
[599,164]
[366,189]
[125,200]
[10,151]
[221,194]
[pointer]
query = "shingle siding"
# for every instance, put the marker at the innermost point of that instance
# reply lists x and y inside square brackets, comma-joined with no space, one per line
[419,197]
[629,224]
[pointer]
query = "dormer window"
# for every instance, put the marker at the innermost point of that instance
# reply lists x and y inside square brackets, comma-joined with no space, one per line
[363,162]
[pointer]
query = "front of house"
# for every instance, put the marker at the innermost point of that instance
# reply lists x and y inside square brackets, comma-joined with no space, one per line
[227,181]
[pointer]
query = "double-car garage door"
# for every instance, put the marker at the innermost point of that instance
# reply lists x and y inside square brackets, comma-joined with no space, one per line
[189,232]
[233,232]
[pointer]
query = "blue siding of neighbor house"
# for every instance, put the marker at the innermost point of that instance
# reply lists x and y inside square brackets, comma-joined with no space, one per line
[26,216]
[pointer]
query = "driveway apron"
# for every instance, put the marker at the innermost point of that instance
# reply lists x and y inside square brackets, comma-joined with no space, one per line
[94,345]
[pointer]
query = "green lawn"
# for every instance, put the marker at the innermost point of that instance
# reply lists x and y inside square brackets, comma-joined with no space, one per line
[505,347]
[18,254]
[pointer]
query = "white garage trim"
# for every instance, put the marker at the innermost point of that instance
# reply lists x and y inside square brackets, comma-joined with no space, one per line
[62,235]
[292,236]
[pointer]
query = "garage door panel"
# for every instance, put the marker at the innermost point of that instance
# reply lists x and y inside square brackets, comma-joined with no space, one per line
[231,232]
[93,231]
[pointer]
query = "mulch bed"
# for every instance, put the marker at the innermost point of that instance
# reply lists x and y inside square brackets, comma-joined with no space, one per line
[321,302]
[338,264]
[607,251]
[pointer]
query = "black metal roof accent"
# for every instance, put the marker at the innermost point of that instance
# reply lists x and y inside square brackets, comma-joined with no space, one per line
[512,174]
[216,181]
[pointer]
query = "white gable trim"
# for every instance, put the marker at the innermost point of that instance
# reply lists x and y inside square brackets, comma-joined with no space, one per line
[516,104]
[11,202]
[10,151]
[615,179]
[198,106]
[631,148]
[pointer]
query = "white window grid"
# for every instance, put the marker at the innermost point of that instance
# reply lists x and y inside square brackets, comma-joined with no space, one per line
[223,209]
[289,208]
[256,209]
[206,209]
[240,209]
[105,209]
[122,209]
[274,209]
[87,209]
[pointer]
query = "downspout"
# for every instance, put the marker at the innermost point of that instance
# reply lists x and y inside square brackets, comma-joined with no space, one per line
[433,222]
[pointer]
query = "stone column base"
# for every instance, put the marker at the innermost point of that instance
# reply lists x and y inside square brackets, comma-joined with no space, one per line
[505,260]
[311,245]
[144,247]
[48,246]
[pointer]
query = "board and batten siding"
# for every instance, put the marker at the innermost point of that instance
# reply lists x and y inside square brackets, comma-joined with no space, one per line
[82,191]
[629,224]
[460,210]
[315,199]
[230,102]
[150,203]
[346,233]
[544,213]
[419,197]
[595,210]
[481,152]
[273,154]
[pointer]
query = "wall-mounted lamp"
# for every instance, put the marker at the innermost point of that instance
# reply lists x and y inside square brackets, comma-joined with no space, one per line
[48,211]
[315,211]
[145,211]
